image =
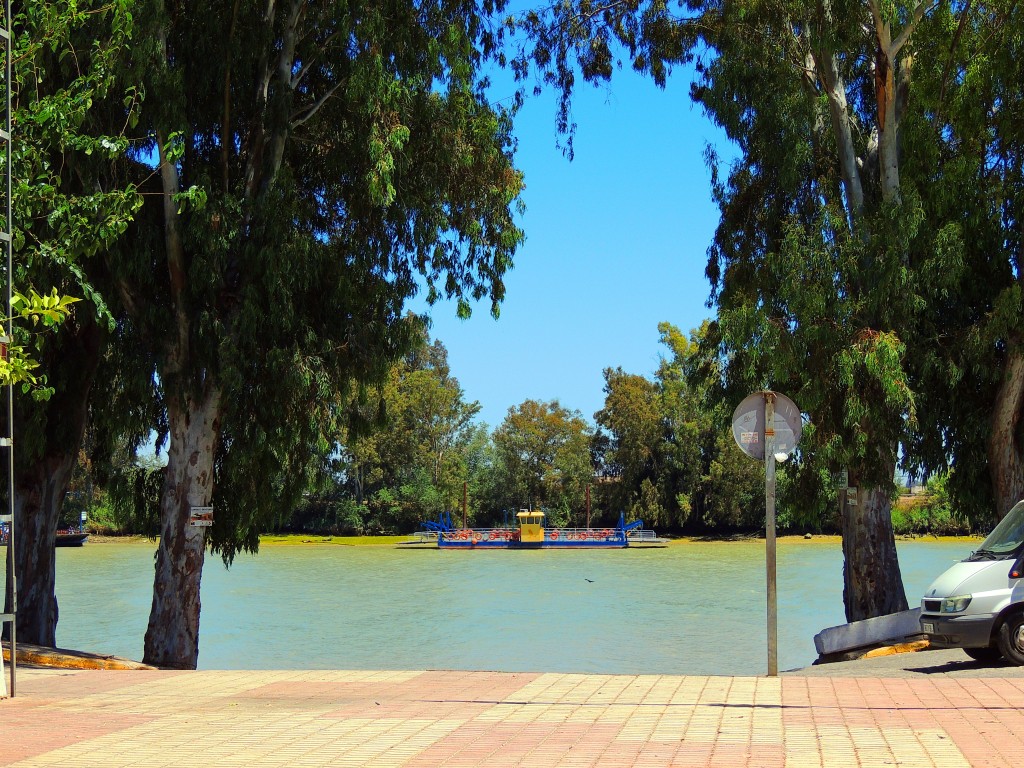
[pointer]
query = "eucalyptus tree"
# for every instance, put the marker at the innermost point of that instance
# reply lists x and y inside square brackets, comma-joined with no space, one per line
[970,356]
[70,202]
[920,255]
[997,38]
[998,34]
[810,265]
[312,159]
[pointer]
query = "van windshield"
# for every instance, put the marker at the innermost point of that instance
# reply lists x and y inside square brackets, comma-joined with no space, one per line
[1006,537]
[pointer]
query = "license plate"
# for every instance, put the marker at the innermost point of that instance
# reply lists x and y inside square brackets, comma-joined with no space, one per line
[928,627]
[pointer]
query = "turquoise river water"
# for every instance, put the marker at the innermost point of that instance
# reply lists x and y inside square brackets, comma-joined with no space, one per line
[691,608]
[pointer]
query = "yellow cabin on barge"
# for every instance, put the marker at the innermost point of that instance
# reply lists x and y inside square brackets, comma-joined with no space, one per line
[531,526]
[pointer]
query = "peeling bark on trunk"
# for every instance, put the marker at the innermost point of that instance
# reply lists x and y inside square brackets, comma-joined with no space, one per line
[835,90]
[172,637]
[872,583]
[41,484]
[37,504]
[194,411]
[887,116]
[1005,459]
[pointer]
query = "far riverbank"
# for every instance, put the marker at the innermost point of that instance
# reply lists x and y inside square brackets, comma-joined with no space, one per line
[306,539]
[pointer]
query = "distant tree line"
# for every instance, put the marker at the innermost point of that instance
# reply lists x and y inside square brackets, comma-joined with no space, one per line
[413,449]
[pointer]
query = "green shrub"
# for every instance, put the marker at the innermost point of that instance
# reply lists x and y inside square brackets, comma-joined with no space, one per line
[928,513]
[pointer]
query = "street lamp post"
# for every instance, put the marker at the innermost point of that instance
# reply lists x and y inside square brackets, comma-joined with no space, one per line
[769,533]
[767,426]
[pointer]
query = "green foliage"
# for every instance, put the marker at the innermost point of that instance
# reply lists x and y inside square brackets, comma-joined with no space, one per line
[64,62]
[668,446]
[410,445]
[633,418]
[732,489]
[316,169]
[134,499]
[119,497]
[17,364]
[933,513]
[971,278]
[544,460]
[336,516]
[66,208]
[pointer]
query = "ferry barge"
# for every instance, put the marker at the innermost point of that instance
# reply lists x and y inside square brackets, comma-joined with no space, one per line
[531,533]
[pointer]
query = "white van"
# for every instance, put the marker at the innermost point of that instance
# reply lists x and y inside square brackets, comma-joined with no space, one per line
[978,604]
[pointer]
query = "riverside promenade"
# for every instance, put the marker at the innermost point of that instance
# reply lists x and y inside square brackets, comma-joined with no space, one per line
[385,719]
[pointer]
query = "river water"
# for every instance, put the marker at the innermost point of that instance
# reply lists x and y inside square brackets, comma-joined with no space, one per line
[691,608]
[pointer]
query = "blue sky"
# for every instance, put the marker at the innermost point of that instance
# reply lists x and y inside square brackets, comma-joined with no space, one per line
[616,242]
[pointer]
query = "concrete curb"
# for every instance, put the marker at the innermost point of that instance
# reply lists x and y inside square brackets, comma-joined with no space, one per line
[63,658]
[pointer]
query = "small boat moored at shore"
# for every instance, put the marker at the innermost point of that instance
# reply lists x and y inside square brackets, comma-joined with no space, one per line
[66,537]
[531,533]
[70,537]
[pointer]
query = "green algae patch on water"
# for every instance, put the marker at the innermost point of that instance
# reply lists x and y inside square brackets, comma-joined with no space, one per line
[306,539]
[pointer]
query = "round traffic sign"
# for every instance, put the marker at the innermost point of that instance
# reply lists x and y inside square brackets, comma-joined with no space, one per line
[748,425]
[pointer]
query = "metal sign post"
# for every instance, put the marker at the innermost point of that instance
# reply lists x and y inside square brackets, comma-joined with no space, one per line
[767,425]
[769,534]
[8,441]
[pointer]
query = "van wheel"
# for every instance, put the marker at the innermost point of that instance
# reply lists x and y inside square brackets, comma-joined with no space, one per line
[987,655]
[1011,639]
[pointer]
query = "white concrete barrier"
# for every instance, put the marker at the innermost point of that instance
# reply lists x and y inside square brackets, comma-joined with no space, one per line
[858,634]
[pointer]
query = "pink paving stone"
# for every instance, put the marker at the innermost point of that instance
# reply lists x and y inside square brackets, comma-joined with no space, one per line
[983,746]
[414,697]
[980,734]
[692,755]
[956,691]
[525,740]
[83,682]
[755,756]
[32,728]
[979,717]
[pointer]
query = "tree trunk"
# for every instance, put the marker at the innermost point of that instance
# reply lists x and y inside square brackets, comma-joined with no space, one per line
[41,482]
[37,504]
[172,638]
[888,118]
[835,90]
[872,583]
[1005,462]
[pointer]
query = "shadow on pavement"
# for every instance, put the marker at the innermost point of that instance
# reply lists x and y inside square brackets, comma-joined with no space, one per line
[942,662]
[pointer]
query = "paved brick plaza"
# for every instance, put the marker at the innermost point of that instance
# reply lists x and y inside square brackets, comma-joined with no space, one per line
[104,719]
